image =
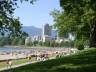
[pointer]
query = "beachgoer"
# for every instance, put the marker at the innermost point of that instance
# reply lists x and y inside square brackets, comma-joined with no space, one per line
[9,63]
[29,58]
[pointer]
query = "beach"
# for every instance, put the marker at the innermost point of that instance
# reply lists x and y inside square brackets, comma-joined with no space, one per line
[23,53]
[8,56]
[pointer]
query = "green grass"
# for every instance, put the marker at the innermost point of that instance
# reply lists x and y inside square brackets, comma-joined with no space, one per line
[14,62]
[2,64]
[84,61]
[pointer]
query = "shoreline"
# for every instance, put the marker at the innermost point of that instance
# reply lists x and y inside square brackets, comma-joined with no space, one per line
[30,47]
[34,50]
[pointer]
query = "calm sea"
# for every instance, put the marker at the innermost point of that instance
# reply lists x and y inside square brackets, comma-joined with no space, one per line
[2,49]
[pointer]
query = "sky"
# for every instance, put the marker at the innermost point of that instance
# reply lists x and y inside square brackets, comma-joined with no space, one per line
[37,14]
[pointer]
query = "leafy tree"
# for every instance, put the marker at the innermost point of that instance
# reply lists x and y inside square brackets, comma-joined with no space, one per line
[5,41]
[35,43]
[47,43]
[2,41]
[7,21]
[15,41]
[41,43]
[21,41]
[77,17]
[53,44]
[79,44]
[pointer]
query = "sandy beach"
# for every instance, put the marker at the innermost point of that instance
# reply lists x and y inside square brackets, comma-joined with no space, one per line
[10,56]
[24,54]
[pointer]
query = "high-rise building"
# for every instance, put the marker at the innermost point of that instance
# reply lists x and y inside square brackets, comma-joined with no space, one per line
[46,32]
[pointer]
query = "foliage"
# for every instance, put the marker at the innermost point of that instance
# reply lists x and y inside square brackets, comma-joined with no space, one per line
[35,43]
[5,41]
[46,43]
[67,44]
[51,43]
[8,23]
[12,41]
[21,41]
[80,47]
[77,17]
[79,44]
[41,43]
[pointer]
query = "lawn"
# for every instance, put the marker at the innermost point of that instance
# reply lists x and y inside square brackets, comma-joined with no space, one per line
[16,62]
[84,61]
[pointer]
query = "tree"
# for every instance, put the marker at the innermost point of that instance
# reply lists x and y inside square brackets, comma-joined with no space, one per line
[7,21]
[47,43]
[40,43]
[21,41]
[77,17]
[35,43]
[15,41]
[2,41]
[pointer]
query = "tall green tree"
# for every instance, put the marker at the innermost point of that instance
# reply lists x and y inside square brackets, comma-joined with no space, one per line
[79,18]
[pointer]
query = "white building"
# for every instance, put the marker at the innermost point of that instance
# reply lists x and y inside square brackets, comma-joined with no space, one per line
[46,30]
[27,40]
[46,38]
[36,38]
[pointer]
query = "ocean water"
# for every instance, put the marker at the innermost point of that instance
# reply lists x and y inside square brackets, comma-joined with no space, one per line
[5,49]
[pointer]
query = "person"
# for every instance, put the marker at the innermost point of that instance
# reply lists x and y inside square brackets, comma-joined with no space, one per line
[29,58]
[9,63]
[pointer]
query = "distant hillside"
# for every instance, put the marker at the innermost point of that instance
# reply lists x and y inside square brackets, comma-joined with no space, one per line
[31,30]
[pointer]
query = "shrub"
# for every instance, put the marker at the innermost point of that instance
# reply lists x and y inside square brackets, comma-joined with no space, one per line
[79,45]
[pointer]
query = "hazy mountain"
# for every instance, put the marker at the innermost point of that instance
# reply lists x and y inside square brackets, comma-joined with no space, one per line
[31,30]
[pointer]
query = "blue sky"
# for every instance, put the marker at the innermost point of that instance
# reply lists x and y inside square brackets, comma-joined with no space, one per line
[37,14]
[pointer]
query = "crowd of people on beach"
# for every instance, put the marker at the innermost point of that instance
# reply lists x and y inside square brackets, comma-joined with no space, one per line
[40,55]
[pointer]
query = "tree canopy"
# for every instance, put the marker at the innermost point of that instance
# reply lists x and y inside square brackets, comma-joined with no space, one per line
[79,18]
[7,21]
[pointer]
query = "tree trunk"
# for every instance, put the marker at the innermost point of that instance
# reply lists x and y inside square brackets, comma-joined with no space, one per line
[92,39]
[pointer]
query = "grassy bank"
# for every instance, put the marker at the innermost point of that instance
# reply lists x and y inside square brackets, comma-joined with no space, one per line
[84,61]
[14,62]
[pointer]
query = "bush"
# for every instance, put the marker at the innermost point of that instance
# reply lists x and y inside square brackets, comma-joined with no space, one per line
[67,44]
[79,45]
